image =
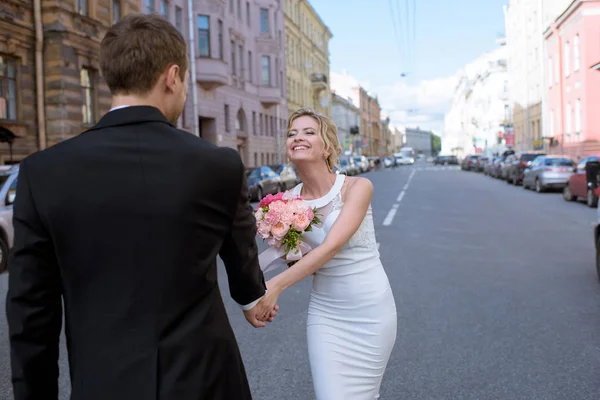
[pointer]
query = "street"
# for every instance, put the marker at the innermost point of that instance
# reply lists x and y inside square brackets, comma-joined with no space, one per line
[495,286]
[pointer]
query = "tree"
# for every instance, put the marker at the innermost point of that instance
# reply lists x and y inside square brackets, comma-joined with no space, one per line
[436,144]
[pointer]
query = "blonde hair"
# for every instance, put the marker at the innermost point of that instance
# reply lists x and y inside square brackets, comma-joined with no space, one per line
[327,133]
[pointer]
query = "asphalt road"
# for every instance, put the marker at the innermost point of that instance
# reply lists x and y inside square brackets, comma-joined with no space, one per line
[495,286]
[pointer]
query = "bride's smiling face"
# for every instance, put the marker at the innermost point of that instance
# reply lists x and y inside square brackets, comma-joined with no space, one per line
[304,142]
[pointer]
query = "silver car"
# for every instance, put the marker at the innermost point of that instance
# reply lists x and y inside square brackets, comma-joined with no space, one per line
[548,172]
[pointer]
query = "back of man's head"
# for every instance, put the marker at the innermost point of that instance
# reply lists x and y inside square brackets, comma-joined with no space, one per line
[137,50]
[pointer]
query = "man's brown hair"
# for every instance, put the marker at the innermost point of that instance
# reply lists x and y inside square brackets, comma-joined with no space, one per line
[137,49]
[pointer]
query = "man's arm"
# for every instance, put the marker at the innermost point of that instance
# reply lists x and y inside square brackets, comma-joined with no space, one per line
[33,303]
[240,253]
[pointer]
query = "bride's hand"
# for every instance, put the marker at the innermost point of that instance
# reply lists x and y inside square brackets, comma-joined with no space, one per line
[268,303]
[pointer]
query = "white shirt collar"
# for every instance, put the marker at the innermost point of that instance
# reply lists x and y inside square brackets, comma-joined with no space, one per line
[117,107]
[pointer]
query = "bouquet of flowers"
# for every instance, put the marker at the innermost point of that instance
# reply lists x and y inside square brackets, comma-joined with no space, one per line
[282,219]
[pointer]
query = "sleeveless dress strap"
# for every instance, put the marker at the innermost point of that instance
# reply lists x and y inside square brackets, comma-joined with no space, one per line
[325,200]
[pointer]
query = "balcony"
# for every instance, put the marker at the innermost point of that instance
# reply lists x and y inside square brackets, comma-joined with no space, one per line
[211,73]
[319,82]
[269,96]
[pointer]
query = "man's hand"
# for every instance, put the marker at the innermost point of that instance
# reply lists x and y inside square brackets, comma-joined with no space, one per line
[251,316]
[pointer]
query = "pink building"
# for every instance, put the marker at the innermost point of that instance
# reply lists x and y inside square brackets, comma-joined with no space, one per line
[573,80]
[240,73]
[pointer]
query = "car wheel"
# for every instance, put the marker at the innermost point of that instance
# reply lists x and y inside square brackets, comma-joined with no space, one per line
[259,194]
[592,200]
[3,256]
[567,194]
[538,186]
[598,256]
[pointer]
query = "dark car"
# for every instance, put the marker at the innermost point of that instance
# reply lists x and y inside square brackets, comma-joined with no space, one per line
[288,175]
[262,181]
[514,173]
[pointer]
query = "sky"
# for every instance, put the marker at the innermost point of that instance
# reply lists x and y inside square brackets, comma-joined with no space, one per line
[435,41]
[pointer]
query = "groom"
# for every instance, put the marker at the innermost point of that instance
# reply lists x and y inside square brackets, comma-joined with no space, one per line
[124,224]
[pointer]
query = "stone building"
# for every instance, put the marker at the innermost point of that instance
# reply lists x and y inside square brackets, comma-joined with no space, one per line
[307,58]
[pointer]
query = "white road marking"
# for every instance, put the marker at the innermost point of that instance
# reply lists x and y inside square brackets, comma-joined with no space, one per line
[391,214]
[399,199]
[405,187]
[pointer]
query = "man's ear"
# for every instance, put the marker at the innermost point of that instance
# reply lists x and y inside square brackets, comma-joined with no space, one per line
[172,75]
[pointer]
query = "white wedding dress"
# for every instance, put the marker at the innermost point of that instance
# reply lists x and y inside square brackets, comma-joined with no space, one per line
[352,320]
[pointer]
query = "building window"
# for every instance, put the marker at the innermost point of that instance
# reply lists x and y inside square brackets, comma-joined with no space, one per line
[266,70]
[149,6]
[250,77]
[241,50]
[276,71]
[233,71]
[550,65]
[248,13]
[8,88]
[568,113]
[567,59]
[231,6]
[87,95]
[178,18]
[82,7]
[164,8]
[578,116]
[226,118]
[116,10]
[264,20]
[221,52]
[260,124]
[576,54]
[254,122]
[203,36]
[239,9]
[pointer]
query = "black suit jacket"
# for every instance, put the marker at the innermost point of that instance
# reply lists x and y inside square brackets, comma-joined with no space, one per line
[124,224]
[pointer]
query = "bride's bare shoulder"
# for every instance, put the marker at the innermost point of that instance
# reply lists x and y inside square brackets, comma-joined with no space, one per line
[357,186]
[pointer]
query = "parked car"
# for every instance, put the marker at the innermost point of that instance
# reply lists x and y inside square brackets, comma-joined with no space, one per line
[445,160]
[288,175]
[514,172]
[470,162]
[582,184]
[548,172]
[362,163]
[8,191]
[261,181]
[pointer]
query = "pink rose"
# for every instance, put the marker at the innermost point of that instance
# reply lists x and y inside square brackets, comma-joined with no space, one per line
[286,216]
[259,214]
[279,230]
[264,229]
[272,217]
[270,198]
[301,222]
[309,214]
[277,205]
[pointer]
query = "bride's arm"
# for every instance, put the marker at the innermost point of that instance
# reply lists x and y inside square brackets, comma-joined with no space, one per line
[356,203]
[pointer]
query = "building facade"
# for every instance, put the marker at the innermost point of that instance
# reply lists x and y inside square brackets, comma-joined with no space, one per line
[346,117]
[307,61]
[419,140]
[240,70]
[475,122]
[574,91]
[50,85]
[524,43]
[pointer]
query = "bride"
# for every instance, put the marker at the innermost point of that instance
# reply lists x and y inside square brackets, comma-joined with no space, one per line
[352,322]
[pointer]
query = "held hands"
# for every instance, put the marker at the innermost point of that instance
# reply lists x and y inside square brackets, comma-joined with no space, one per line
[266,309]
[254,315]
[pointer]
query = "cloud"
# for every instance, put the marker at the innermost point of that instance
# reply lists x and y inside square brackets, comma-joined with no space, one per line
[422,105]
